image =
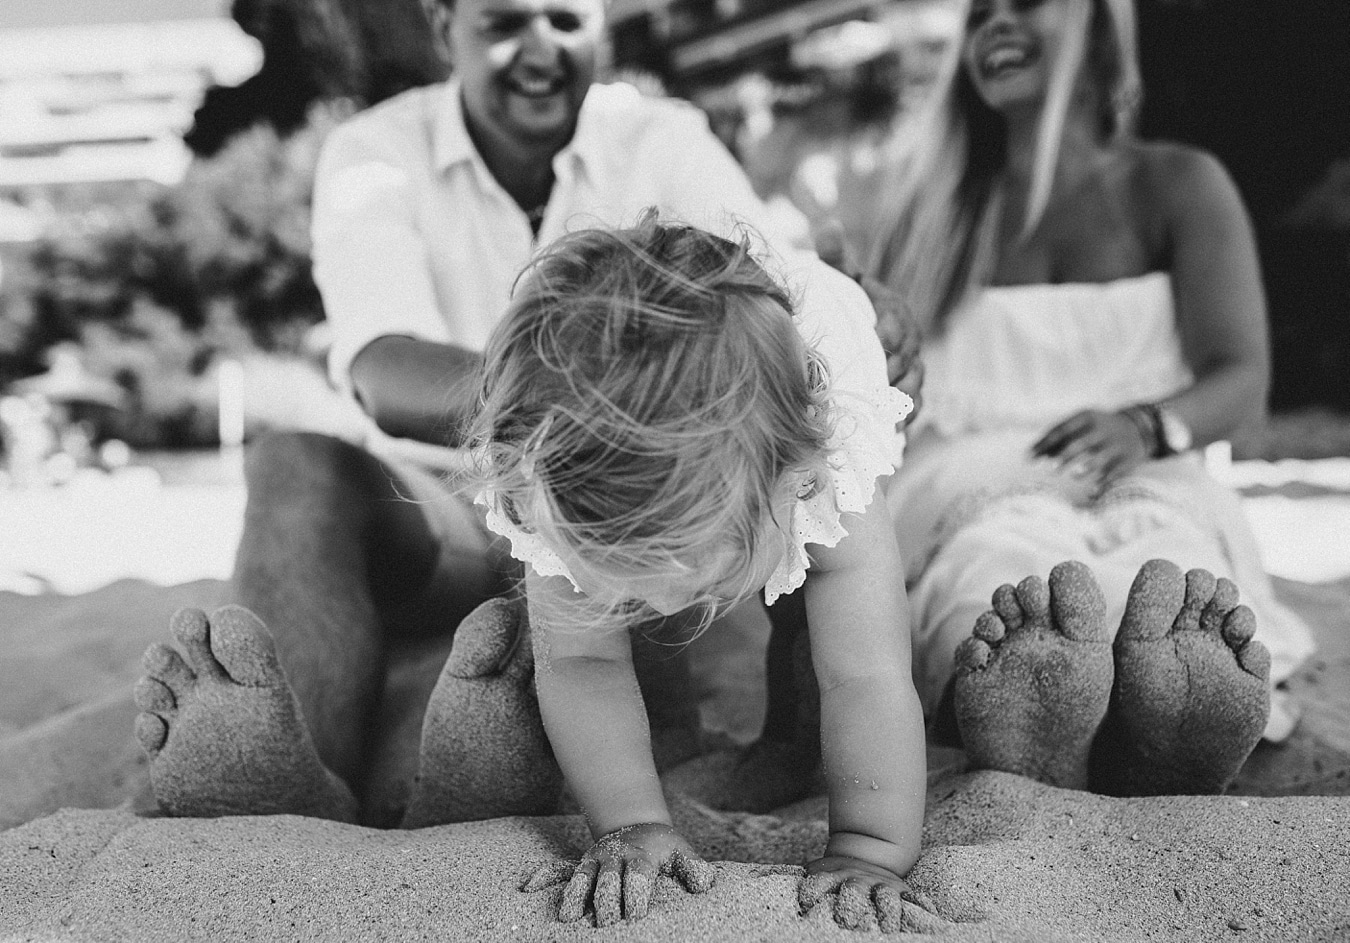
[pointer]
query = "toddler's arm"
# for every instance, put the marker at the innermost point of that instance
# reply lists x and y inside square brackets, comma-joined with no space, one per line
[872,734]
[597,725]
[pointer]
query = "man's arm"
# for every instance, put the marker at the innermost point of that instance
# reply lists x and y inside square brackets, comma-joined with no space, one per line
[391,345]
[417,389]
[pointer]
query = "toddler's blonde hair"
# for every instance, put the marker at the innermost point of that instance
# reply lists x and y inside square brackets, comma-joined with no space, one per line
[645,402]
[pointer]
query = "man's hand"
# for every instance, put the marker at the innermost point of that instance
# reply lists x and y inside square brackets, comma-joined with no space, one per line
[1094,446]
[865,896]
[900,339]
[896,328]
[617,875]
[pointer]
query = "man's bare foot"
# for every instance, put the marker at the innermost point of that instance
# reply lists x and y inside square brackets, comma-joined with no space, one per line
[223,729]
[1191,695]
[1034,679]
[484,753]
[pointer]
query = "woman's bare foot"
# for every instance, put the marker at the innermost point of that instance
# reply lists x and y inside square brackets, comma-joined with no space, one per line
[1034,679]
[484,753]
[1191,695]
[223,729]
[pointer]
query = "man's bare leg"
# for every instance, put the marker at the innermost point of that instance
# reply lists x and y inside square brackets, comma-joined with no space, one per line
[333,554]
[330,545]
[484,752]
[222,728]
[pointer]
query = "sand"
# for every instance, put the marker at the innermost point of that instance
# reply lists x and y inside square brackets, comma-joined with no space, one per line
[1005,859]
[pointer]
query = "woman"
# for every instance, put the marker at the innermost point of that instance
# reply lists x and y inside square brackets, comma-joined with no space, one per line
[1094,315]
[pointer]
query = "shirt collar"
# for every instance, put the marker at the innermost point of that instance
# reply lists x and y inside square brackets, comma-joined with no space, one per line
[452,145]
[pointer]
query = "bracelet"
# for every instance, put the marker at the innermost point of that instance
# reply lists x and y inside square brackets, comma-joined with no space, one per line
[1148,421]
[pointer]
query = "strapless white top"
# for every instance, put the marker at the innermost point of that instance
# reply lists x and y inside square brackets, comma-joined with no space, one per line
[1029,355]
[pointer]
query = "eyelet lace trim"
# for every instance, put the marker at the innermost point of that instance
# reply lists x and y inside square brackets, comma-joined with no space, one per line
[859,453]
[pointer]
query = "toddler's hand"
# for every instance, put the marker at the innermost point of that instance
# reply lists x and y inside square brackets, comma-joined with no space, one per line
[867,896]
[617,875]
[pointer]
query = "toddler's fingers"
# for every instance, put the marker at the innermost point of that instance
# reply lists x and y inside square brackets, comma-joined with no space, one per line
[692,871]
[608,898]
[918,898]
[547,875]
[906,911]
[853,906]
[815,888]
[578,891]
[638,878]
[890,909]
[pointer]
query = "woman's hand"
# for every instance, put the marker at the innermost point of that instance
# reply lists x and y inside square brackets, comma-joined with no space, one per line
[617,875]
[1095,446]
[866,896]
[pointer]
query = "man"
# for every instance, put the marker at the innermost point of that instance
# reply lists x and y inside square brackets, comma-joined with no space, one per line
[426,207]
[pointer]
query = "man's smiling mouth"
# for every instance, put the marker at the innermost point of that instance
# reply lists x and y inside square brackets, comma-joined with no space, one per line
[534,87]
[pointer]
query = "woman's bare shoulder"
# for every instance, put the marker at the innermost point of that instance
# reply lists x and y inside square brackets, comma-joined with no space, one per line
[1177,178]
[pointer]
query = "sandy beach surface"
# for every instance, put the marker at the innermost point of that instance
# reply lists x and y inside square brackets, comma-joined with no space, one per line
[82,857]
[1005,859]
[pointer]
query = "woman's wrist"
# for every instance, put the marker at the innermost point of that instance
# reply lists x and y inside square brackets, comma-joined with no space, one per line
[1148,421]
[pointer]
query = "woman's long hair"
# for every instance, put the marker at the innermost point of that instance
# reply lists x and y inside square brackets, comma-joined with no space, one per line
[944,187]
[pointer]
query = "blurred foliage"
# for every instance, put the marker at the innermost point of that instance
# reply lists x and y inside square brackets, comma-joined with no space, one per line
[155,285]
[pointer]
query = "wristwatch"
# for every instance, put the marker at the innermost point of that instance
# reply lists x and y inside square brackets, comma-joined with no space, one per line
[1174,436]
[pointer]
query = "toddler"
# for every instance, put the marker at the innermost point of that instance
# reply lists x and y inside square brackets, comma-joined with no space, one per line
[663,432]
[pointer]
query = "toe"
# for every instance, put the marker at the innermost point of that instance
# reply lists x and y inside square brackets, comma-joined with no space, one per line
[1239,626]
[484,640]
[1200,587]
[1255,659]
[1008,608]
[1077,603]
[973,655]
[165,664]
[152,695]
[1225,597]
[244,647]
[151,732]
[1156,596]
[1034,597]
[989,628]
[192,631]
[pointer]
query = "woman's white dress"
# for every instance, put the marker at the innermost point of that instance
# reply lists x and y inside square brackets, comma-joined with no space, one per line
[973,510]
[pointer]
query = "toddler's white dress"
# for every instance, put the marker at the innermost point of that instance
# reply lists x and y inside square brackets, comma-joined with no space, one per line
[973,510]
